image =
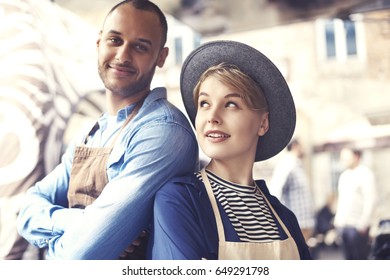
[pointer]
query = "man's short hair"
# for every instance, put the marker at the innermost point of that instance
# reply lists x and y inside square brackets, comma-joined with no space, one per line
[149,6]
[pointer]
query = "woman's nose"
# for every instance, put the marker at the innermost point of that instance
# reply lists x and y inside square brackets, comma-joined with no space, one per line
[214,117]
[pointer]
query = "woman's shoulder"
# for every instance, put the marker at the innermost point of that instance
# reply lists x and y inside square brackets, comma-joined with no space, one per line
[264,189]
[180,186]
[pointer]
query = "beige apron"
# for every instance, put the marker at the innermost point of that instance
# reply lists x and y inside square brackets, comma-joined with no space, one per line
[89,176]
[276,250]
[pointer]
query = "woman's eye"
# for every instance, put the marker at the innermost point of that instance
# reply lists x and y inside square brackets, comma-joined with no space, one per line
[203,104]
[231,105]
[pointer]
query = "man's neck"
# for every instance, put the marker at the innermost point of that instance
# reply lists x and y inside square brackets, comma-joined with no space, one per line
[116,102]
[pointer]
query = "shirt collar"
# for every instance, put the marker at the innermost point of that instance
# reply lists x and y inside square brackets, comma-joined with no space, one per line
[155,94]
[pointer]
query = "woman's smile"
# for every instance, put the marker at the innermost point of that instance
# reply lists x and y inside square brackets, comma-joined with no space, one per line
[216,136]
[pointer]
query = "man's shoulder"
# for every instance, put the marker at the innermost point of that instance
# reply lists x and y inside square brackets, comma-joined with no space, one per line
[159,108]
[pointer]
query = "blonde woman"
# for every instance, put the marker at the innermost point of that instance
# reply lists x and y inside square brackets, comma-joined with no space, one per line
[243,112]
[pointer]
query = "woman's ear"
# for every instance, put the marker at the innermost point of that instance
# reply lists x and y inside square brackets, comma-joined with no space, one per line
[264,125]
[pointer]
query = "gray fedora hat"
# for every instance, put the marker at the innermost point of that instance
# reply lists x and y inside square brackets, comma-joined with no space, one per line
[282,115]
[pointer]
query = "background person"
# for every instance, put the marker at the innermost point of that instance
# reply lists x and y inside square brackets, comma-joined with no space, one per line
[120,164]
[243,112]
[290,184]
[356,198]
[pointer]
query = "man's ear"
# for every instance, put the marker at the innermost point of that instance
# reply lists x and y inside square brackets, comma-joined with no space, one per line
[162,57]
[264,125]
[99,38]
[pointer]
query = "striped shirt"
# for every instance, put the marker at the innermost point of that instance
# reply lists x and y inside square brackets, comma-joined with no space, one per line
[246,208]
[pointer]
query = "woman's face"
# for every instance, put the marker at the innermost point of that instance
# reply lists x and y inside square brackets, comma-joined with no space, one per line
[227,129]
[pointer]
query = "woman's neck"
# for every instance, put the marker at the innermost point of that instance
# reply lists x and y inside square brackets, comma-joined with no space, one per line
[238,174]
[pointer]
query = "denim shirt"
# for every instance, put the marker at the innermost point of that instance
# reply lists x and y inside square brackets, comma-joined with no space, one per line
[156,145]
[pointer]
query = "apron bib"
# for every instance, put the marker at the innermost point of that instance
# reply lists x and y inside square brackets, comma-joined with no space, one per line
[275,250]
[89,177]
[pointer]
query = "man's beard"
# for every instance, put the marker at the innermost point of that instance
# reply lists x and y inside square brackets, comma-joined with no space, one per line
[129,90]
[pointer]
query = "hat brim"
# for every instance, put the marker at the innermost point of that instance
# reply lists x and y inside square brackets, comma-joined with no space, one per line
[282,114]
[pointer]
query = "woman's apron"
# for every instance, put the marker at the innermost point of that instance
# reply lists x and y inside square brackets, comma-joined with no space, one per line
[276,250]
[89,176]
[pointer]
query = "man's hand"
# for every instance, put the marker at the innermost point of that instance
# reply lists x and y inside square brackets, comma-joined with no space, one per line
[137,249]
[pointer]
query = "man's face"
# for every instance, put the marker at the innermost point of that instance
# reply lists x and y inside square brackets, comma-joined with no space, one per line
[347,158]
[129,49]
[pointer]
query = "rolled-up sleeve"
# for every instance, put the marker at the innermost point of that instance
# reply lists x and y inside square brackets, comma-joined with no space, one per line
[39,219]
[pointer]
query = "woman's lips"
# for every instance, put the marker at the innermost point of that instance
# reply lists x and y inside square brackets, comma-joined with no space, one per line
[216,136]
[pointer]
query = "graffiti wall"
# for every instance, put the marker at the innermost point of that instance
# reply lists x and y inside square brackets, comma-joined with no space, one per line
[47,69]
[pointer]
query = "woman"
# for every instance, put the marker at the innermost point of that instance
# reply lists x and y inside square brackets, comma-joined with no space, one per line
[243,112]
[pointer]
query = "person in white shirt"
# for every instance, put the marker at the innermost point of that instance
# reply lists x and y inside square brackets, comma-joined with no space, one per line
[355,205]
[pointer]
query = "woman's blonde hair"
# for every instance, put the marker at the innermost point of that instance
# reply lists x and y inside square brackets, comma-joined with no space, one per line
[233,77]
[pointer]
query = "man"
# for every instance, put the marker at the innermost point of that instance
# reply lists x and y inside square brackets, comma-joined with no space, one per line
[290,184]
[134,148]
[355,205]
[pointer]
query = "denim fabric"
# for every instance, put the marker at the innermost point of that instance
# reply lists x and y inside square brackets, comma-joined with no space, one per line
[156,145]
[355,244]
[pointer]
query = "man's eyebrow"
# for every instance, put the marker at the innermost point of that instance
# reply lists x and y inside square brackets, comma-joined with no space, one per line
[146,41]
[114,32]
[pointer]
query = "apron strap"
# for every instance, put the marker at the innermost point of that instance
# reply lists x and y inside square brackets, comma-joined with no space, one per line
[220,228]
[275,214]
[91,132]
[129,118]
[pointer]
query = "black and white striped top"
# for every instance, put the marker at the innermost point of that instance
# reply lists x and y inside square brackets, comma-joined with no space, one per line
[246,208]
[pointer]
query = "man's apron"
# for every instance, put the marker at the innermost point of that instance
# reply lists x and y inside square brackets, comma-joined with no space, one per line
[89,177]
[276,250]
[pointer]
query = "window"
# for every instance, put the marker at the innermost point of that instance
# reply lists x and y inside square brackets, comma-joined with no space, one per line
[350,35]
[330,39]
[339,38]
